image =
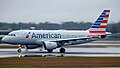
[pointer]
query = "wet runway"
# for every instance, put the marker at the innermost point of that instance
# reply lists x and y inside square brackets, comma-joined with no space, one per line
[86,52]
[112,50]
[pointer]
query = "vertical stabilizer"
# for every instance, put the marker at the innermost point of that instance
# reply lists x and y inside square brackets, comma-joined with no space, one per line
[99,27]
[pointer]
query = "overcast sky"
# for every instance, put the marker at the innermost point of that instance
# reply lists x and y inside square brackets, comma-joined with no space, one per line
[57,10]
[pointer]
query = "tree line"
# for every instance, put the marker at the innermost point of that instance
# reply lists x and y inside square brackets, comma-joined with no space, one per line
[70,25]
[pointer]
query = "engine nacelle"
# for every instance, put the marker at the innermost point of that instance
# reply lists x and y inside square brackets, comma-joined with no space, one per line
[50,45]
[31,46]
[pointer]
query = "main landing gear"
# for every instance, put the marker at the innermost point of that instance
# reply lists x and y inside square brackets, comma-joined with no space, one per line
[19,48]
[62,50]
[50,50]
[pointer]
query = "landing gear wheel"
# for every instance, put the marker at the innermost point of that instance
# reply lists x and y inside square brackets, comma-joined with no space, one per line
[19,50]
[49,51]
[62,50]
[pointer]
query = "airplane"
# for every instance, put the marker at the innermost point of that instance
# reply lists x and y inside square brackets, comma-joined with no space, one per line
[52,39]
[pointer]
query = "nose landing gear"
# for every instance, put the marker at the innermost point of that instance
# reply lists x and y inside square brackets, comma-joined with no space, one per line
[19,49]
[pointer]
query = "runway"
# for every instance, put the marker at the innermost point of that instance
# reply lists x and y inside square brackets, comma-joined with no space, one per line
[84,52]
[112,50]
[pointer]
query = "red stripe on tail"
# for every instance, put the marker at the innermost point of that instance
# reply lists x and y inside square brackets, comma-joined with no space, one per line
[104,21]
[102,26]
[106,16]
[107,10]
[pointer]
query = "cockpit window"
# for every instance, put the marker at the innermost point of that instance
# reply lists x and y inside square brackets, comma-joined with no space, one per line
[11,34]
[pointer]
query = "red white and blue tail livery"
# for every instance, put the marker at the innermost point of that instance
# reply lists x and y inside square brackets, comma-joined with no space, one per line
[99,27]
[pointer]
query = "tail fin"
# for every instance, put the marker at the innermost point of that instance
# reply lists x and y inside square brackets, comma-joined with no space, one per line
[99,27]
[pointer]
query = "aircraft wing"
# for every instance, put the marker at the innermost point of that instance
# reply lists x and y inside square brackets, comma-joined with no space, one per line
[69,41]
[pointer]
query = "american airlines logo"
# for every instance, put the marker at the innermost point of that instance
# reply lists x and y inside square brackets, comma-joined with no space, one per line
[27,36]
[46,35]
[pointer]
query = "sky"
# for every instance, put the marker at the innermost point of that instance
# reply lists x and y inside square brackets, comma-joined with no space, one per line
[57,11]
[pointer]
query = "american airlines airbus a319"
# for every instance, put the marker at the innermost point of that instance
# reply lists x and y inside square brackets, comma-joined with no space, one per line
[52,39]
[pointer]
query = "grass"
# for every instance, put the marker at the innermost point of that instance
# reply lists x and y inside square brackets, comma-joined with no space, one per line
[17,66]
[60,66]
[59,62]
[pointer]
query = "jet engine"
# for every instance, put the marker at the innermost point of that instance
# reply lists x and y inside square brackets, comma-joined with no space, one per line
[50,45]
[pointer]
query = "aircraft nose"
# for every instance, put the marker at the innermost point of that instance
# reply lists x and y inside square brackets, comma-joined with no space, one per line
[4,40]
